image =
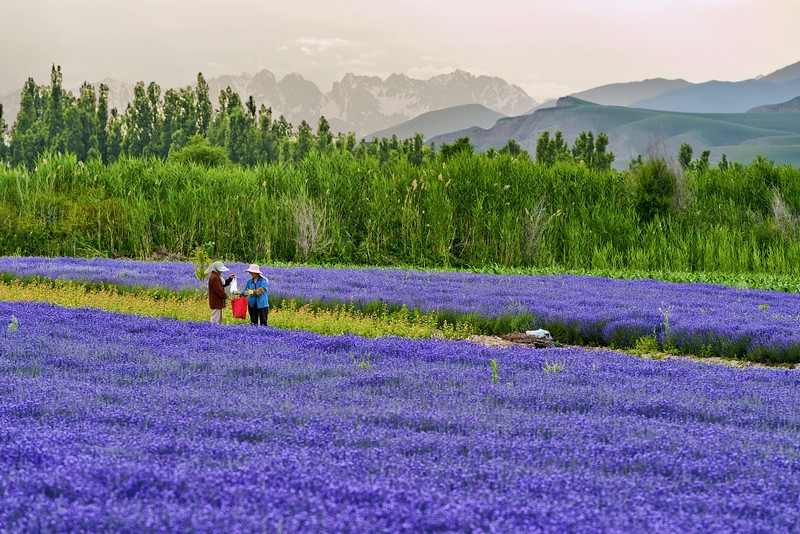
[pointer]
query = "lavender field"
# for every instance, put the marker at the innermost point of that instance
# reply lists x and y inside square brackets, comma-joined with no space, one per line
[703,319]
[113,422]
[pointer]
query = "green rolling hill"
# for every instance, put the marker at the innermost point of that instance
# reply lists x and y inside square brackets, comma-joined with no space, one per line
[634,131]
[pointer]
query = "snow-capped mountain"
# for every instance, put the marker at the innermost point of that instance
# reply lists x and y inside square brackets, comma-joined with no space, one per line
[360,104]
[364,104]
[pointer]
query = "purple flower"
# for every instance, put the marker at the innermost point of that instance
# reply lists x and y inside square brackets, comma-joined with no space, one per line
[694,318]
[113,422]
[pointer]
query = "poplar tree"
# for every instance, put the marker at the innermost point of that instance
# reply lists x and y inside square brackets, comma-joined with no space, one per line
[114,140]
[543,156]
[80,125]
[172,136]
[268,139]
[3,146]
[305,141]
[28,135]
[324,135]
[102,123]
[603,159]
[54,117]
[203,106]
[143,122]
[685,155]
[415,156]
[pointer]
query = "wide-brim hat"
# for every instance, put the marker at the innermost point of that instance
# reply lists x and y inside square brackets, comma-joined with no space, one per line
[255,269]
[217,266]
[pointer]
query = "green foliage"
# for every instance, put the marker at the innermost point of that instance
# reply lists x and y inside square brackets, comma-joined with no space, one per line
[555,367]
[201,260]
[13,325]
[702,162]
[200,152]
[550,151]
[513,149]
[738,225]
[460,146]
[362,363]
[653,189]
[494,371]
[685,155]
[646,345]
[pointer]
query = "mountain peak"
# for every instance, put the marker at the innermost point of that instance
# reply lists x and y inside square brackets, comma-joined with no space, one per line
[786,73]
[356,103]
[567,102]
[791,106]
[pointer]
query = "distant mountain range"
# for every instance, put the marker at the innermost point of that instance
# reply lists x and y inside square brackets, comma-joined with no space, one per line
[360,104]
[724,97]
[633,131]
[636,115]
[441,121]
[628,94]
[792,105]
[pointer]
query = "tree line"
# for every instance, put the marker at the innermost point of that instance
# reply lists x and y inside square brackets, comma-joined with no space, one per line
[183,124]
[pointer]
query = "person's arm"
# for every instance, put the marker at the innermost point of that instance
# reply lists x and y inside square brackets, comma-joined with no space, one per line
[262,287]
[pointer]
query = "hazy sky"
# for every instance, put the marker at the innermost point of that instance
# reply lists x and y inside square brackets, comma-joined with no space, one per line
[549,48]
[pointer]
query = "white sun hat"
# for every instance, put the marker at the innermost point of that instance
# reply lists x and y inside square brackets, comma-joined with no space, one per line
[217,266]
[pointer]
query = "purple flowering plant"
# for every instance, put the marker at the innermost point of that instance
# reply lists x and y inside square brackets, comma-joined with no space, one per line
[124,423]
[691,318]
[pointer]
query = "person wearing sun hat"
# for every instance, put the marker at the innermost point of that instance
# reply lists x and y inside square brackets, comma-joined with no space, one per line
[216,290]
[256,292]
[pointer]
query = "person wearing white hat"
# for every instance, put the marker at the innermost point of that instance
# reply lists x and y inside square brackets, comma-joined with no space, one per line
[216,290]
[257,299]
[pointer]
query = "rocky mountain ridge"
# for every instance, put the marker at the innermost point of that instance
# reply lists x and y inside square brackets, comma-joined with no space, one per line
[360,104]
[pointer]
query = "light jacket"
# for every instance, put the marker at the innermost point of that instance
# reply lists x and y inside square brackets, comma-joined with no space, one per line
[257,300]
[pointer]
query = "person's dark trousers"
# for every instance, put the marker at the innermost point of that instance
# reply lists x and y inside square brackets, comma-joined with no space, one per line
[258,315]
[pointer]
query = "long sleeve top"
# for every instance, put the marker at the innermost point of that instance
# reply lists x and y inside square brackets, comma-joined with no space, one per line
[216,290]
[259,298]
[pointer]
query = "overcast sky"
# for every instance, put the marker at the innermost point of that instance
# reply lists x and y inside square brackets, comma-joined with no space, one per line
[549,48]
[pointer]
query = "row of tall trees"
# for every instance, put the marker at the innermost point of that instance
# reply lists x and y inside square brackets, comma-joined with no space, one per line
[183,123]
[52,119]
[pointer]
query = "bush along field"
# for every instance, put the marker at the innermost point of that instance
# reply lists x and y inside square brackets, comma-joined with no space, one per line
[698,319]
[116,422]
[458,210]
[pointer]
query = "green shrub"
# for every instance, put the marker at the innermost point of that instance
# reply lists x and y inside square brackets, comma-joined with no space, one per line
[653,189]
[200,152]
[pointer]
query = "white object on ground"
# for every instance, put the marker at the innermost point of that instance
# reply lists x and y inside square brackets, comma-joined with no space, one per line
[540,333]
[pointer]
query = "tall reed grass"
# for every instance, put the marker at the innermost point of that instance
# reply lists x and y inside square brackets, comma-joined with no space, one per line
[468,212]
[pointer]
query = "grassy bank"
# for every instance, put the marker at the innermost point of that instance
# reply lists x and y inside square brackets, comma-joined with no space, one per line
[468,212]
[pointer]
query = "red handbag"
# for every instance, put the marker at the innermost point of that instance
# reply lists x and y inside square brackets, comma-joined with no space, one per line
[239,307]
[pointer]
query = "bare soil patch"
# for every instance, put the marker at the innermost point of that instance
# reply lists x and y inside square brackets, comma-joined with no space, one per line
[520,339]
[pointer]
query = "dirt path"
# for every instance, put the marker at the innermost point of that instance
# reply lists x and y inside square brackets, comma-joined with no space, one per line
[499,342]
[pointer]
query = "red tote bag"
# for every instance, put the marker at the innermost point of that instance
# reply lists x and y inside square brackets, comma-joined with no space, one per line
[239,307]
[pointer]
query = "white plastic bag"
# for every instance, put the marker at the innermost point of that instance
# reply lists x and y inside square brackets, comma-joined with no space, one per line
[540,333]
[233,286]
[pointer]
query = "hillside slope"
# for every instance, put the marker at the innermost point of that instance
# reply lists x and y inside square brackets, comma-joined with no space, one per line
[724,97]
[442,121]
[634,131]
